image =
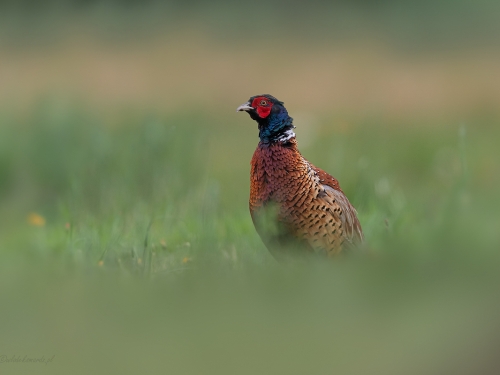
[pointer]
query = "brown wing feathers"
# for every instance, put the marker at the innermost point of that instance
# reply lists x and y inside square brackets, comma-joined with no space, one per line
[307,202]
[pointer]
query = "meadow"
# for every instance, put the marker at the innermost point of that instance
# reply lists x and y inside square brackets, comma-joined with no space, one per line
[126,243]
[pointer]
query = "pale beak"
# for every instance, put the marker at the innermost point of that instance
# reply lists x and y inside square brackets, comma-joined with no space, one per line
[244,107]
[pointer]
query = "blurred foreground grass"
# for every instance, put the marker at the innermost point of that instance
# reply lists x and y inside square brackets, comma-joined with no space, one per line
[127,247]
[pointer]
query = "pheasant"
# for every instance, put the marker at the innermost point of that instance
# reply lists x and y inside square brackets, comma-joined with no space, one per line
[296,207]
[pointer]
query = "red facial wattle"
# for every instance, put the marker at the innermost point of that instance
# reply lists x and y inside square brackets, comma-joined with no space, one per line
[262,110]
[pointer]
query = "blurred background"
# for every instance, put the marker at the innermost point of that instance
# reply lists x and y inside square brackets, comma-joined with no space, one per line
[125,239]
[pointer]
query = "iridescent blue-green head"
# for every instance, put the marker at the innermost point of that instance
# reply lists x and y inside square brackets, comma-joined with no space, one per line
[274,123]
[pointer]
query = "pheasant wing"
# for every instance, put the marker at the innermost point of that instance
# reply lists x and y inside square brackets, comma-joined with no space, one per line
[330,222]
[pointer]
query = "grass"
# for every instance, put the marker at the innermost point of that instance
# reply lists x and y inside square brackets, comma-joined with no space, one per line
[140,255]
[174,186]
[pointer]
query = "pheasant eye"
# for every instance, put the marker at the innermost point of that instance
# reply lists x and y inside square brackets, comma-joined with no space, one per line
[263,102]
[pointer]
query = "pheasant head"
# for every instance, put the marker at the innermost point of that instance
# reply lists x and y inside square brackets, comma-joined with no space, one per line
[271,116]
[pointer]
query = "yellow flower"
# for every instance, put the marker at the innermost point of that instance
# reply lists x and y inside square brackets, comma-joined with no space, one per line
[186,259]
[36,219]
[100,263]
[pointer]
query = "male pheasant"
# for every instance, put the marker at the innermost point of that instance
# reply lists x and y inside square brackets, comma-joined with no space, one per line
[295,206]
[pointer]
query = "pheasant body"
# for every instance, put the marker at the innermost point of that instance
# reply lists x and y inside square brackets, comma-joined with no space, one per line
[294,205]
